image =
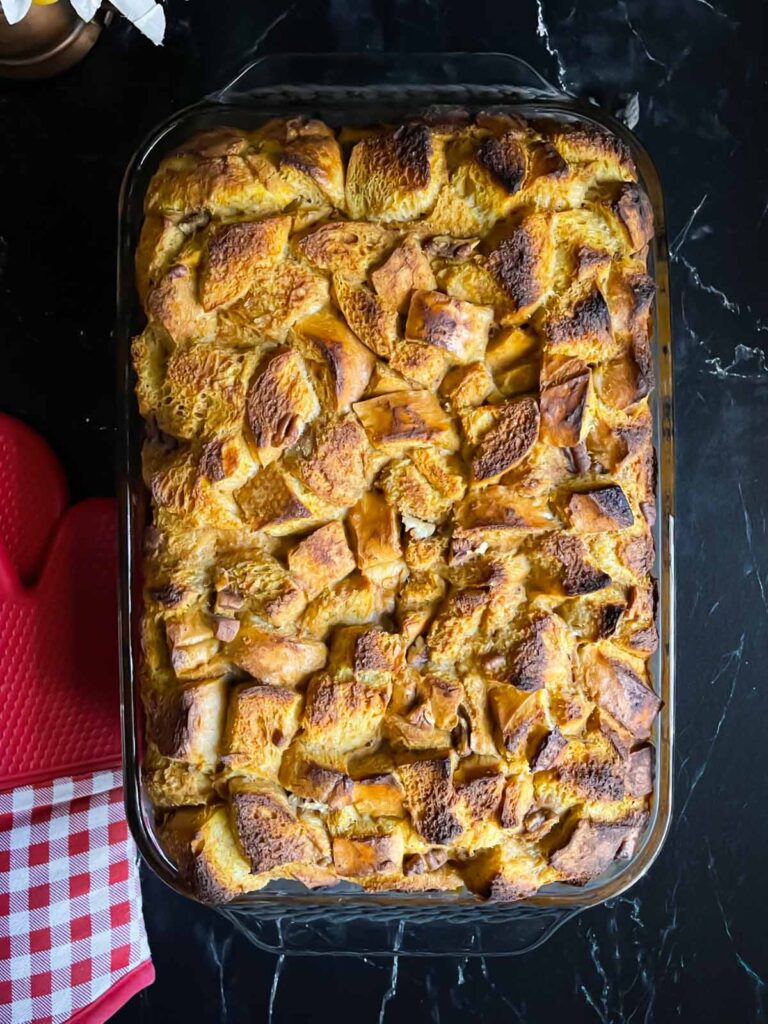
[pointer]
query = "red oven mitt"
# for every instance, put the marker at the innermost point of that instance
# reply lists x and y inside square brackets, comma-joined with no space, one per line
[58,619]
[72,940]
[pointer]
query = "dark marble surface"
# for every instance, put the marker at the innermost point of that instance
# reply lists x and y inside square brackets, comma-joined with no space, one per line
[689,941]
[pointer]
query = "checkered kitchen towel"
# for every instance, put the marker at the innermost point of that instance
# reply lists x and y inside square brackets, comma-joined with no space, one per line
[72,940]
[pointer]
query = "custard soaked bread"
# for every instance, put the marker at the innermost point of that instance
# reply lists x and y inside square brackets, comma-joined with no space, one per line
[398,601]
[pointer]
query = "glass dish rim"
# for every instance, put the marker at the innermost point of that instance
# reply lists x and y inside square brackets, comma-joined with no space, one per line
[228,102]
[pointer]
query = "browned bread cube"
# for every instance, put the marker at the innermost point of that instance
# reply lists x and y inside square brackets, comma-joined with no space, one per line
[321,559]
[261,722]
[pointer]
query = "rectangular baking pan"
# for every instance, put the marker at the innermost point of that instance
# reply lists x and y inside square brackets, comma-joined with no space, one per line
[360,89]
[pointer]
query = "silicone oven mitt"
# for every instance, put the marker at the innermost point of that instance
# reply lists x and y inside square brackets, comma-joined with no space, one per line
[58,619]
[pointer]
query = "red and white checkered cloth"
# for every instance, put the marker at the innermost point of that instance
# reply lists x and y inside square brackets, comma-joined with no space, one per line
[72,939]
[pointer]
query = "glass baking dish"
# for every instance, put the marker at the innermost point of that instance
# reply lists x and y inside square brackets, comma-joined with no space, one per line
[357,89]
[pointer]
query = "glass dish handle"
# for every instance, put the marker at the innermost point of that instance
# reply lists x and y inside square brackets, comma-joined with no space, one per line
[386,931]
[302,76]
[343,78]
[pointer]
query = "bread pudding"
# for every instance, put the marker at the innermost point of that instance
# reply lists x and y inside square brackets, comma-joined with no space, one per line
[398,592]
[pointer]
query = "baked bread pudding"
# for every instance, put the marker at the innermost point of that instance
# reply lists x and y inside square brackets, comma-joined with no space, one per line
[398,593]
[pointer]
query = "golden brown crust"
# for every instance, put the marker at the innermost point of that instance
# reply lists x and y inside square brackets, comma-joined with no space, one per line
[580,324]
[568,557]
[347,248]
[534,661]
[193,390]
[606,508]
[407,270]
[335,466]
[508,441]
[262,721]
[173,304]
[256,583]
[322,559]
[411,493]
[467,385]
[589,850]
[201,844]
[407,419]
[279,297]
[308,146]
[395,175]
[374,323]
[505,159]
[160,240]
[355,857]
[564,397]
[398,605]
[421,365]
[521,264]
[186,724]
[460,328]
[633,209]
[279,404]
[348,363]
[616,686]
[304,773]
[590,144]
[275,659]
[375,531]
[355,600]
[210,173]
[343,716]
[273,501]
[430,797]
[267,830]
[234,252]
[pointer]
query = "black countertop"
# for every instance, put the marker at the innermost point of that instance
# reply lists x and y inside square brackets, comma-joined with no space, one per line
[688,941]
